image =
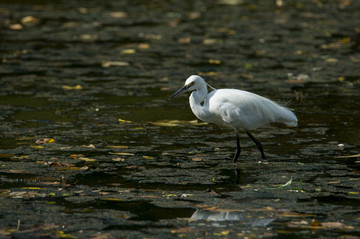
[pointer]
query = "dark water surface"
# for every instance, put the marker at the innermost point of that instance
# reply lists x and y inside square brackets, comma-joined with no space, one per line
[90,147]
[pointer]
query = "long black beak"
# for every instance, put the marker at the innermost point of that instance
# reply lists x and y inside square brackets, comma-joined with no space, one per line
[179,91]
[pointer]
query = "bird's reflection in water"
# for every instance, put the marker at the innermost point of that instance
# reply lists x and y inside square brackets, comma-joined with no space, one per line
[223,215]
[237,175]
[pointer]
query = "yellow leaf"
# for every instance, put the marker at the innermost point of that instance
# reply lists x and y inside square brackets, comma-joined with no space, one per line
[112,199]
[76,155]
[74,168]
[345,40]
[128,51]
[37,147]
[341,79]
[87,159]
[123,153]
[114,63]
[331,60]
[34,188]
[124,121]
[118,159]
[164,124]
[67,87]
[117,146]
[354,193]
[215,62]
[29,19]
[144,46]
[286,184]
[148,157]
[118,14]
[210,73]
[88,146]
[170,195]
[16,26]
[209,41]
[348,156]
[173,123]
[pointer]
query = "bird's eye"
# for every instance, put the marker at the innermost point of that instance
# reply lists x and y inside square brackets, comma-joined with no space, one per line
[192,83]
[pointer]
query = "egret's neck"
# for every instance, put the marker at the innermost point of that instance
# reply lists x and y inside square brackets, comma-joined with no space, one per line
[196,98]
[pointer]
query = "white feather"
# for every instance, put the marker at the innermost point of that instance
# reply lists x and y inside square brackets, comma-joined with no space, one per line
[237,109]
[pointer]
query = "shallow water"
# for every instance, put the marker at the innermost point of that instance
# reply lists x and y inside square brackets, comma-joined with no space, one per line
[92,147]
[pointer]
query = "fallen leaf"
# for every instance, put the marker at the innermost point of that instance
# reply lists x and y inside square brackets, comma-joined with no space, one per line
[124,121]
[112,199]
[74,168]
[67,87]
[118,14]
[114,63]
[331,60]
[223,233]
[151,196]
[266,209]
[29,20]
[76,155]
[210,41]
[333,182]
[288,213]
[173,123]
[144,46]
[286,184]
[184,40]
[117,146]
[118,159]
[87,159]
[16,27]
[148,157]
[181,230]
[348,156]
[45,141]
[337,225]
[214,62]
[123,153]
[128,51]
[88,146]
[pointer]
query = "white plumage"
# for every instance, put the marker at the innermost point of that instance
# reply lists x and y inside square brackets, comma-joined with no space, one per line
[237,109]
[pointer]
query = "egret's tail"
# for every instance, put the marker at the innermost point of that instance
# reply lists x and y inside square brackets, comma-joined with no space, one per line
[288,117]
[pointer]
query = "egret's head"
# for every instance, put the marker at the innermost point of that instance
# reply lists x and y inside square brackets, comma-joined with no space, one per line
[194,82]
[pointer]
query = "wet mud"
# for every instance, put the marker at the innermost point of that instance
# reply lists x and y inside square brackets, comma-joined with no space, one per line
[91,147]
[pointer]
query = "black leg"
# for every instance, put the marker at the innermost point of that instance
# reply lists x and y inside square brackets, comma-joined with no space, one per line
[258,144]
[238,149]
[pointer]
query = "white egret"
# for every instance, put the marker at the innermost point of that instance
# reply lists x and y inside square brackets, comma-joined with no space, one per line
[237,109]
